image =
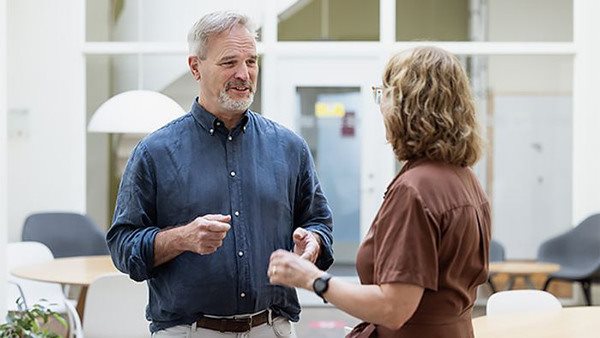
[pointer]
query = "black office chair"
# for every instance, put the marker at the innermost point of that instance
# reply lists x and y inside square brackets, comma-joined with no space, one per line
[578,253]
[66,234]
[497,254]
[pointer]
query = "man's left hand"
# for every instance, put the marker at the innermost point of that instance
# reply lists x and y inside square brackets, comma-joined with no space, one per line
[307,244]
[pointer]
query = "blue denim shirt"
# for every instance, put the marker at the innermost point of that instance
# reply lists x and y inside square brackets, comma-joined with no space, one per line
[260,173]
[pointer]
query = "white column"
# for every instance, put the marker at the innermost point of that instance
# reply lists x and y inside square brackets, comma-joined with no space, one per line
[586,111]
[3,123]
[387,21]
[268,71]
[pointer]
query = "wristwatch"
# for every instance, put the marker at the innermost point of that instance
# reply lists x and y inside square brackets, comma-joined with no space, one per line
[321,284]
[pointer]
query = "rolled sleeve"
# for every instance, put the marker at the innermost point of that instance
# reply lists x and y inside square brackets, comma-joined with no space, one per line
[312,211]
[325,259]
[131,236]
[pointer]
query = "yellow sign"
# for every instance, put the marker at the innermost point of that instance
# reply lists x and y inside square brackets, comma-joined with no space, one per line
[329,109]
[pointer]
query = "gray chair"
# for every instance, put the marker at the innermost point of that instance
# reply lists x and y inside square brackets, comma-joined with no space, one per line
[497,254]
[578,253]
[66,234]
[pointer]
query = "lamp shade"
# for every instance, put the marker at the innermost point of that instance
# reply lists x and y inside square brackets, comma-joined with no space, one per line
[135,112]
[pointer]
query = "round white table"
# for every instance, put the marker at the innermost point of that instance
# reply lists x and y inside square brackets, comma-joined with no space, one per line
[80,271]
[573,322]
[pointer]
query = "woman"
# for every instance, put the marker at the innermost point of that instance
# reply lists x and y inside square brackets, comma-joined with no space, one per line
[427,249]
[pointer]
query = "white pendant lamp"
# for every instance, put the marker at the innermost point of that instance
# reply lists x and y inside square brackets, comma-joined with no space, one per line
[135,112]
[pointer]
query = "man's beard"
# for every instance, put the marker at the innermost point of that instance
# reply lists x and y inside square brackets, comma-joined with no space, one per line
[230,103]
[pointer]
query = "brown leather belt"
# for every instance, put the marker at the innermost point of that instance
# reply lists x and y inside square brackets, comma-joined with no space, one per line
[233,324]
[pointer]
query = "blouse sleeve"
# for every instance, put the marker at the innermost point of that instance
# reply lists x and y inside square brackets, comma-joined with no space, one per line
[407,238]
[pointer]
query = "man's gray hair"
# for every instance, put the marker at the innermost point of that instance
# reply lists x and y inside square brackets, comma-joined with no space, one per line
[213,24]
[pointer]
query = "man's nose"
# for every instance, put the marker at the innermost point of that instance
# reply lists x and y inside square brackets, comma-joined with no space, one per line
[242,73]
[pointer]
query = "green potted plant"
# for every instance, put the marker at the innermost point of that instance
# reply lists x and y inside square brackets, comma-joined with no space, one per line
[30,323]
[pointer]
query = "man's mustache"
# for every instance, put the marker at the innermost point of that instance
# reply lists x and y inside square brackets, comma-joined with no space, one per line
[245,84]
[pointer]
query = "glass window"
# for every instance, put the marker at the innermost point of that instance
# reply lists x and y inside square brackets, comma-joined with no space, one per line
[330,20]
[153,20]
[530,20]
[436,20]
[112,20]
[501,20]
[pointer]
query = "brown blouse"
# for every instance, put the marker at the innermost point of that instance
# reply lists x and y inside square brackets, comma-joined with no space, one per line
[432,230]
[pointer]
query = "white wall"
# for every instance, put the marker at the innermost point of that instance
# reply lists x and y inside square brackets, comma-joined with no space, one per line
[46,138]
[586,111]
[586,115]
[3,218]
[530,103]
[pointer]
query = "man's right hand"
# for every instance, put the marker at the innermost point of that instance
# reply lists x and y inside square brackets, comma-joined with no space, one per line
[205,234]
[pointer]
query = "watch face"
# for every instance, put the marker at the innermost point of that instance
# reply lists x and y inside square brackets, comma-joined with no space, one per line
[319,285]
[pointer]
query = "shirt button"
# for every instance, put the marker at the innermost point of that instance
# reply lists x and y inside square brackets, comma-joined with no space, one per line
[240,253]
[244,128]
[237,213]
[218,123]
[211,131]
[242,295]
[232,173]
[230,138]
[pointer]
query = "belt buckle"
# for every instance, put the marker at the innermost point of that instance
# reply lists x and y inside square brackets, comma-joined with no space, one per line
[247,321]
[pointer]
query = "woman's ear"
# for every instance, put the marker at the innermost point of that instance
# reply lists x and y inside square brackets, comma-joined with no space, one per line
[194,65]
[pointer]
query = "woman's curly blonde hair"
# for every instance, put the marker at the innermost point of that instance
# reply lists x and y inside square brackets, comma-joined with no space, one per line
[428,108]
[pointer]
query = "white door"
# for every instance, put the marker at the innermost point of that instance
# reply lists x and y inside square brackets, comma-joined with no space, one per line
[329,103]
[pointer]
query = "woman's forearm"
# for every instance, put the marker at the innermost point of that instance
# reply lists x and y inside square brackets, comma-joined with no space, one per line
[390,305]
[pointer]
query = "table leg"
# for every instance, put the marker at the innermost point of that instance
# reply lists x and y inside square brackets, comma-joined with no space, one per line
[511,282]
[81,302]
[529,282]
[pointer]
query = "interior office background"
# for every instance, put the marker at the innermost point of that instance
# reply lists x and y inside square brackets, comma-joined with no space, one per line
[531,62]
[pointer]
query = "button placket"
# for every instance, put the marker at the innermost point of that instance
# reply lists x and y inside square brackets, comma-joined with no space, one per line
[235,186]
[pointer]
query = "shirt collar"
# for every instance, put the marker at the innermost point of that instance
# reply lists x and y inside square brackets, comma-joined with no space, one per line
[406,166]
[210,122]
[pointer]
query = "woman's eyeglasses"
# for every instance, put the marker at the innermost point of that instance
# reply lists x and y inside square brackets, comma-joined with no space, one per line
[377,94]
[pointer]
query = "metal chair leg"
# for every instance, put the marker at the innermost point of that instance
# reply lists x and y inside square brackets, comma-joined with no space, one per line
[587,292]
[491,284]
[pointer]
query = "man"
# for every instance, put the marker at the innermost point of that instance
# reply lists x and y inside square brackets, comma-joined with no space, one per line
[205,200]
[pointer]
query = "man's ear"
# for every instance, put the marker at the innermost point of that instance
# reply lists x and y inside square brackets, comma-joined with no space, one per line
[194,64]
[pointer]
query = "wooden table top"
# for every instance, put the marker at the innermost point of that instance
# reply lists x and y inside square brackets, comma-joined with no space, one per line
[72,270]
[573,322]
[523,267]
